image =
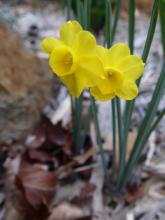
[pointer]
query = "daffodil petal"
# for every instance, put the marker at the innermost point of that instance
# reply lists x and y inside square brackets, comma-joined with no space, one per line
[49,43]
[116,53]
[85,43]
[93,65]
[132,66]
[99,96]
[88,74]
[128,91]
[68,32]
[101,52]
[73,85]
[90,71]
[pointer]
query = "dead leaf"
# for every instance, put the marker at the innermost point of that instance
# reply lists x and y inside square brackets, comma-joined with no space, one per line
[133,196]
[23,208]
[39,184]
[36,155]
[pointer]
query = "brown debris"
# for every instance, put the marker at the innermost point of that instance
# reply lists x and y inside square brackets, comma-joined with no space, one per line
[132,197]
[24,86]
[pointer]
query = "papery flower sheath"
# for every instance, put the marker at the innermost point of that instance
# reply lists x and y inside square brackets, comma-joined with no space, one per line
[121,70]
[73,58]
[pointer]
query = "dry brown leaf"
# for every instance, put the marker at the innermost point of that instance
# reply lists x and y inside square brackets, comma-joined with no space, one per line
[38,184]
[132,197]
[38,155]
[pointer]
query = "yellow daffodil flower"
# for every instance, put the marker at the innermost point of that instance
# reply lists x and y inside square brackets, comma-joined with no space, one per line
[121,71]
[73,58]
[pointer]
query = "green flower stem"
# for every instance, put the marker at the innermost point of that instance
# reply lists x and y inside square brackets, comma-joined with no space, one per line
[115,105]
[131,24]
[86,24]
[122,146]
[108,42]
[73,118]
[113,138]
[108,23]
[130,105]
[156,122]
[122,152]
[79,101]
[98,133]
[144,129]
[84,13]
[151,31]
[116,17]
[78,118]
[80,12]
[116,108]
[131,35]
[85,131]
[87,11]
[69,3]
[162,23]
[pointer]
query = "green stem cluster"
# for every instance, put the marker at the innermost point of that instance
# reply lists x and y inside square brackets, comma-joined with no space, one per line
[121,121]
[162,23]
[142,138]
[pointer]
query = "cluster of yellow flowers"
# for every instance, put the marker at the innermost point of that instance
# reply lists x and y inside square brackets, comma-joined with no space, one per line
[80,64]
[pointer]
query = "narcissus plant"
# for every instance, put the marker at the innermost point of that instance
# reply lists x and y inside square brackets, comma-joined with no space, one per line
[81,64]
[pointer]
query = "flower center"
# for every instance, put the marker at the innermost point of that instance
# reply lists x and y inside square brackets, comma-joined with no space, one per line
[65,60]
[69,60]
[109,72]
[114,80]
